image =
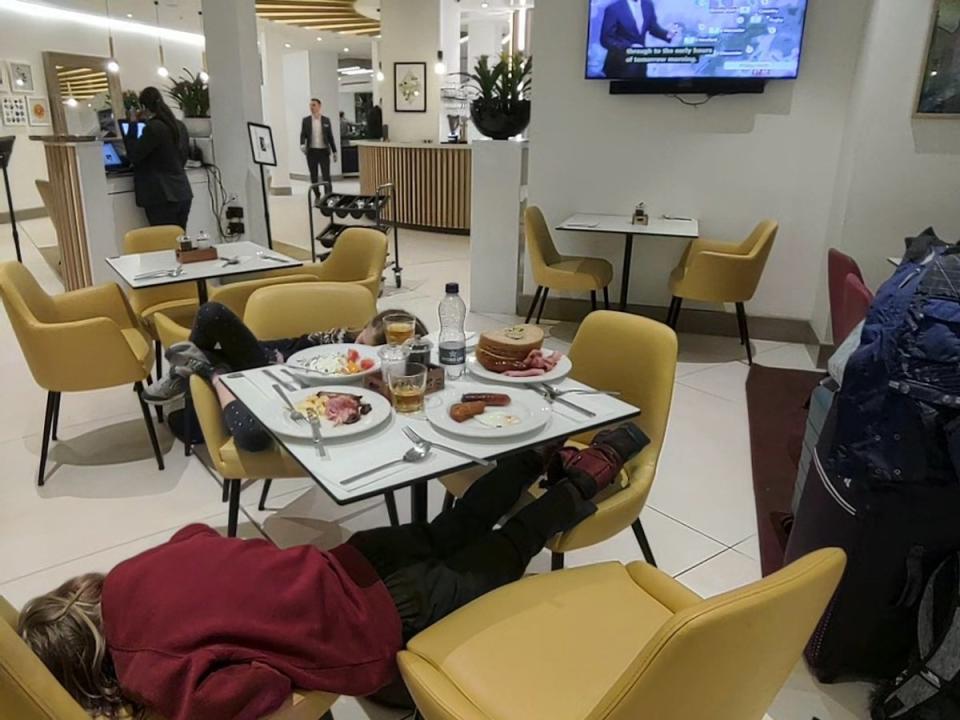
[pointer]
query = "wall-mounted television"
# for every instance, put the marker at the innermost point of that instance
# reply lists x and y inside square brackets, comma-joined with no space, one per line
[673,43]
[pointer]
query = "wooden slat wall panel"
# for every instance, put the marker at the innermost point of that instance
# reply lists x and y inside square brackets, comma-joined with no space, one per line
[64,175]
[432,184]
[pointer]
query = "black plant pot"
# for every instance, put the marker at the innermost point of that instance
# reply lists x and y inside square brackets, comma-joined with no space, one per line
[493,122]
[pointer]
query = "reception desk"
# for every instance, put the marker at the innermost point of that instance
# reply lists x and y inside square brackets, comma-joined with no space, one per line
[431,182]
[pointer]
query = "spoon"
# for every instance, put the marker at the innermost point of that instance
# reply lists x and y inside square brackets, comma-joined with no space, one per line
[428,444]
[414,455]
[267,256]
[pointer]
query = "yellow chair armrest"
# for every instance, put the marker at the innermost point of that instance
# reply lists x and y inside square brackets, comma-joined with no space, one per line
[721,277]
[236,295]
[169,331]
[700,245]
[436,697]
[662,588]
[106,301]
[171,307]
[83,355]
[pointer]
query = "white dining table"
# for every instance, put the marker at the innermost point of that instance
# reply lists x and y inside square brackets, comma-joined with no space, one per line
[349,457]
[252,258]
[663,226]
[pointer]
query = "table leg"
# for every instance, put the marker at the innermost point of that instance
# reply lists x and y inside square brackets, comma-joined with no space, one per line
[202,291]
[418,503]
[625,282]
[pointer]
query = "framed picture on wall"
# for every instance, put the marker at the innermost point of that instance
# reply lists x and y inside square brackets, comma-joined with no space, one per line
[21,77]
[14,110]
[39,111]
[261,144]
[939,92]
[410,87]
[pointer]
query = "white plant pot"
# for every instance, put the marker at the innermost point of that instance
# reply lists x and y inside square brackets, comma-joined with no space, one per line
[199,127]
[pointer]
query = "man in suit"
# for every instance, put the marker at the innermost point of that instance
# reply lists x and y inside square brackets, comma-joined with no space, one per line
[317,143]
[626,24]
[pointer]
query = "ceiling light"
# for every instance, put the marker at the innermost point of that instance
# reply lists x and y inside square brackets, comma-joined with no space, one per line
[163,72]
[204,76]
[346,49]
[440,67]
[319,39]
[464,39]
[380,75]
[506,39]
[113,67]
[70,102]
[287,45]
[484,5]
[129,15]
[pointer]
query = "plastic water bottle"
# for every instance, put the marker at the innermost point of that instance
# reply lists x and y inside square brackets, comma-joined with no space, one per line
[453,340]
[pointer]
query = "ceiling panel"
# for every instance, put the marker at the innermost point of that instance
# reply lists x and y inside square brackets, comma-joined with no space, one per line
[332,15]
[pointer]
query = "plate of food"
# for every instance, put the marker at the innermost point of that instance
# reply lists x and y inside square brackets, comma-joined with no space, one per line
[335,363]
[343,411]
[515,356]
[476,412]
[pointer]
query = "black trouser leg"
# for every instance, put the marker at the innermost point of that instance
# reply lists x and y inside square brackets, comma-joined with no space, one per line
[45,440]
[313,166]
[533,305]
[641,536]
[744,331]
[56,417]
[325,171]
[217,329]
[543,304]
[183,215]
[233,512]
[151,430]
[264,494]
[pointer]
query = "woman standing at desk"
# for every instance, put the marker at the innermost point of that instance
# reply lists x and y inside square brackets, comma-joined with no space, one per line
[158,157]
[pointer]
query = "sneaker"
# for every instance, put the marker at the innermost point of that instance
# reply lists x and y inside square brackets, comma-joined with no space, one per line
[190,360]
[169,388]
[593,469]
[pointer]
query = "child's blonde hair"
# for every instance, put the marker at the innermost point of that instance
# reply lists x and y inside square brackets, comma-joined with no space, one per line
[65,630]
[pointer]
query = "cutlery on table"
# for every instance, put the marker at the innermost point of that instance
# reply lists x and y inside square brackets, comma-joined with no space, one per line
[157,274]
[413,455]
[314,421]
[294,378]
[428,444]
[551,395]
[288,386]
[295,414]
[677,217]
[267,256]
[557,392]
[231,261]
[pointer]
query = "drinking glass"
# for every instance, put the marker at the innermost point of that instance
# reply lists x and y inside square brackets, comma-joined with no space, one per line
[408,388]
[393,358]
[399,327]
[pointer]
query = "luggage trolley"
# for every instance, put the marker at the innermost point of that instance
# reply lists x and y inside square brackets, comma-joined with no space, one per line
[369,208]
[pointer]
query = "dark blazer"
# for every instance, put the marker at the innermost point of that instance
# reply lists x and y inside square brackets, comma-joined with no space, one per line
[158,160]
[619,32]
[306,128]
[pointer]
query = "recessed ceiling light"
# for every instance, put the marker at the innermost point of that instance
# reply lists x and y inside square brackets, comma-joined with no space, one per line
[484,5]
[346,49]
[319,39]
[129,15]
[287,45]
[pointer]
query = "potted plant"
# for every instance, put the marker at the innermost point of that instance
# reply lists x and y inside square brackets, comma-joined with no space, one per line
[193,96]
[500,108]
[131,102]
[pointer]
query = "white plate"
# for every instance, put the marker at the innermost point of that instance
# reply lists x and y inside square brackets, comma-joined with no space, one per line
[531,409]
[279,420]
[562,369]
[472,339]
[301,360]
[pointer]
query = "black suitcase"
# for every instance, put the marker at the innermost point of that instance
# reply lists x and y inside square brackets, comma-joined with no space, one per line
[894,538]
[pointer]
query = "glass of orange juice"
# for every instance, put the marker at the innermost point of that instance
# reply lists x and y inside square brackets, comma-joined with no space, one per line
[408,388]
[399,327]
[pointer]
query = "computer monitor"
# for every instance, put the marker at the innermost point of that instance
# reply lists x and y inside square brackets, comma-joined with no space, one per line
[112,159]
[125,128]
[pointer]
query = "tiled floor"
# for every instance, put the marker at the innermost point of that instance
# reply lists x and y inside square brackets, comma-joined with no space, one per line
[105,499]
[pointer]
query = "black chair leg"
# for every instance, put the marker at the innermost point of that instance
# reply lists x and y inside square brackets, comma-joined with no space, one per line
[56,417]
[606,298]
[533,305]
[744,331]
[556,561]
[225,492]
[158,351]
[151,430]
[448,501]
[264,493]
[644,542]
[45,441]
[394,516]
[233,511]
[187,424]
[673,314]
[543,304]
[593,300]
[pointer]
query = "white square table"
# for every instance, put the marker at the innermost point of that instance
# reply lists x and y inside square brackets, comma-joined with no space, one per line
[623,225]
[128,267]
[350,456]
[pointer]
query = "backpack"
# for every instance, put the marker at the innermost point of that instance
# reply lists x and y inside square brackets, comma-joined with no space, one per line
[929,689]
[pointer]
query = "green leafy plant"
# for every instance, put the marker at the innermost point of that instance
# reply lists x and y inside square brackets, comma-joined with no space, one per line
[501,86]
[131,101]
[192,95]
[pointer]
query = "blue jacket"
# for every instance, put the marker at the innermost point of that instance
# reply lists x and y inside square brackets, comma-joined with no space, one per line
[898,412]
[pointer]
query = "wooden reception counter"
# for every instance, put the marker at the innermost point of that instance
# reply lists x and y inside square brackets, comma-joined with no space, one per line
[431,182]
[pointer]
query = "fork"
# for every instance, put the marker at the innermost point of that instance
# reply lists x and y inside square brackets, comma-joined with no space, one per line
[428,444]
[315,429]
[555,392]
[295,414]
[288,386]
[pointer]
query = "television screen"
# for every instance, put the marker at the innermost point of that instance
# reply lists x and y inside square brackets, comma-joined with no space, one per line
[703,39]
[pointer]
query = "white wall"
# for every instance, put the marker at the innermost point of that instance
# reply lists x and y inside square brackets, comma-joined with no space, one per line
[325,85]
[23,38]
[732,162]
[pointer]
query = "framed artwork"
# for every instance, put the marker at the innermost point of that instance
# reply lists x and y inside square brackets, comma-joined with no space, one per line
[39,108]
[4,85]
[21,77]
[410,87]
[261,144]
[939,93]
[14,110]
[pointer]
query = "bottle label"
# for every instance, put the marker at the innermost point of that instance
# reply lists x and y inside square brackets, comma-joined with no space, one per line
[456,355]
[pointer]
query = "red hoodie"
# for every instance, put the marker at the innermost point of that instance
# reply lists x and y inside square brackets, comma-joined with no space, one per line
[209,628]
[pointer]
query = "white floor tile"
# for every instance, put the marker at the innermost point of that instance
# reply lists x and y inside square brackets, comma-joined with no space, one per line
[727,381]
[795,357]
[727,571]
[361,709]
[803,698]
[749,547]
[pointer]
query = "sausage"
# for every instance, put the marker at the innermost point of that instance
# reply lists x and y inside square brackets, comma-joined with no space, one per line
[492,399]
[461,412]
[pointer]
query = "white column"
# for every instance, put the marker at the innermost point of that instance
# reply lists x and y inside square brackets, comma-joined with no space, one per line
[325,85]
[375,64]
[233,60]
[450,44]
[275,109]
[296,99]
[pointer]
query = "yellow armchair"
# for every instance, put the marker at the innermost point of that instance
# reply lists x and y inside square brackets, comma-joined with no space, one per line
[284,311]
[711,271]
[28,691]
[553,271]
[608,642]
[82,340]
